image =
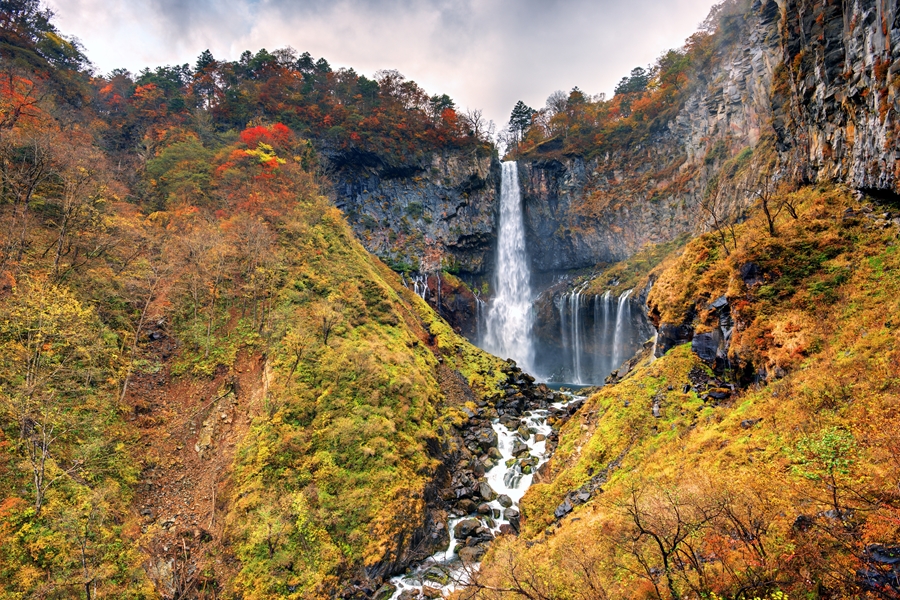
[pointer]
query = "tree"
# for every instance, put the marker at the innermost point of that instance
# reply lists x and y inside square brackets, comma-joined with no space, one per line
[637,82]
[80,187]
[828,458]
[520,120]
[49,357]
[720,213]
[437,105]
[208,256]
[330,314]
[481,128]
[26,163]
[773,196]
[666,527]
[557,102]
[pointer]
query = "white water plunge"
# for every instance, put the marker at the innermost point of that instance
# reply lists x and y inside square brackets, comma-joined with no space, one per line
[590,351]
[509,320]
[510,481]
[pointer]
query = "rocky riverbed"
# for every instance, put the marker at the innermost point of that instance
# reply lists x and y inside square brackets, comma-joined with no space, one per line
[500,448]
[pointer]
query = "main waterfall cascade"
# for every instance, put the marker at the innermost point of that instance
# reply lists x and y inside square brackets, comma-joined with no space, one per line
[510,318]
[596,332]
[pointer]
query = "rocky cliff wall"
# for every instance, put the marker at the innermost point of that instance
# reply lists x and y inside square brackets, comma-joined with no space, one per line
[815,79]
[432,213]
[836,95]
[604,209]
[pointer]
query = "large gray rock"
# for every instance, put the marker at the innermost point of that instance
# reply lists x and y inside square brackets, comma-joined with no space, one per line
[486,492]
[466,528]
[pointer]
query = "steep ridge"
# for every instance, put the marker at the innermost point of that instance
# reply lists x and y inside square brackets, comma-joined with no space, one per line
[811,85]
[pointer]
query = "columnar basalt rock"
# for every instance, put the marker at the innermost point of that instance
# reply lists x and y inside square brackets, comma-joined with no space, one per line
[819,80]
[581,212]
[431,213]
[839,90]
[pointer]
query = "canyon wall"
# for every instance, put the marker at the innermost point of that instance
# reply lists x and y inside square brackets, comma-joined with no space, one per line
[817,78]
[430,214]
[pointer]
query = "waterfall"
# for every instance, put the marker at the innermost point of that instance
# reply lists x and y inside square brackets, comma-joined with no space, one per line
[479,319]
[601,334]
[564,328]
[420,285]
[509,319]
[623,314]
[578,367]
[596,334]
[575,303]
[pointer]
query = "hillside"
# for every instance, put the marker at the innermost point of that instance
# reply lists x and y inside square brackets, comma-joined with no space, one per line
[760,465]
[208,387]
[220,376]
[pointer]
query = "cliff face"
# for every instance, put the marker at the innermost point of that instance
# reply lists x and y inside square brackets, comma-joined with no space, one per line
[431,214]
[817,80]
[604,209]
[837,93]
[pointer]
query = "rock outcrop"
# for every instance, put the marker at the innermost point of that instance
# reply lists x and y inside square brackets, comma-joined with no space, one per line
[433,213]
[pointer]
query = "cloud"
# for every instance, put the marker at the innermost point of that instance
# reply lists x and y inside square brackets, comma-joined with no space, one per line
[484,53]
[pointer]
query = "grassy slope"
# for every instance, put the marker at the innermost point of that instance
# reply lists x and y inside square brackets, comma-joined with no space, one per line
[332,474]
[826,317]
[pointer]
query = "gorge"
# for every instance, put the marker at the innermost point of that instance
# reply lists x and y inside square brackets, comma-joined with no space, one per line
[275,329]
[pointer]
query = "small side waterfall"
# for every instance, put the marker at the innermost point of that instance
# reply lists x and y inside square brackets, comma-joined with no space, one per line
[420,285]
[623,316]
[596,334]
[509,320]
[479,318]
[573,329]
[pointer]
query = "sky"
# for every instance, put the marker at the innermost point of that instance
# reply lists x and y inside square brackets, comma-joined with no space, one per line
[485,54]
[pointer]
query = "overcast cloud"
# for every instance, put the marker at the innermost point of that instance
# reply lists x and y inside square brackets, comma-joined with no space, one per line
[484,53]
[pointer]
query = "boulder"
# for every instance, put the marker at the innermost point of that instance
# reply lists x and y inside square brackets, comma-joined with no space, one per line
[512,515]
[485,491]
[505,501]
[485,509]
[431,592]
[671,336]
[748,423]
[466,528]
[519,448]
[437,574]
[706,346]
[466,505]
[563,509]
[751,273]
[486,438]
[507,529]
